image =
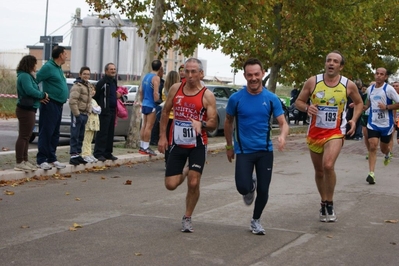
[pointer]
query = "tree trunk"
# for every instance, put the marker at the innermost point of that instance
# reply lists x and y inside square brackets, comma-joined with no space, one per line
[272,84]
[133,138]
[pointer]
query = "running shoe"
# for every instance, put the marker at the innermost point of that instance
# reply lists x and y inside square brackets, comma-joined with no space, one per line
[147,151]
[323,212]
[387,158]
[88,159]
[34,167]
[94,159]
[187,226]
[331,217]
[22,167]
[249,198]
[58,165]
[256,227]
[371,178]
[45,166]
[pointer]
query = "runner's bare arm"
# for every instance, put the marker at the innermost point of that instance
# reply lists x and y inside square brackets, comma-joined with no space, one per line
[301,102]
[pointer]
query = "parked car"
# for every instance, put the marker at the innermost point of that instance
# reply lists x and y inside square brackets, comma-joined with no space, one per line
[132,91]
[121,129]
[222,95]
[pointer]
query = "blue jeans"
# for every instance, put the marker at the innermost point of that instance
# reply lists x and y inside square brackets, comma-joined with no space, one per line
[49,132]
[78,124]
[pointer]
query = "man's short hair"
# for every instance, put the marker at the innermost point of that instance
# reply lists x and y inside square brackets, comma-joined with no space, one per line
[253,61]
[156,65]
[342,57]
[57,51]
[107,65]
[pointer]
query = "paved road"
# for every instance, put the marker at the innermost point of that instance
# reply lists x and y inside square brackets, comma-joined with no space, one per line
[139,224]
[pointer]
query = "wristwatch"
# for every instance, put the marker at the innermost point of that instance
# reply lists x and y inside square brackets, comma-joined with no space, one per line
[203,124]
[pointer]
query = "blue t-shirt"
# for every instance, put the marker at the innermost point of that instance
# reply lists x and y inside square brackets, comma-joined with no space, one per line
[252,119]
[148,91]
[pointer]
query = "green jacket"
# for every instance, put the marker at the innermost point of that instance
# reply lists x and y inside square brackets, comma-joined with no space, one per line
[27,89]
[53,81]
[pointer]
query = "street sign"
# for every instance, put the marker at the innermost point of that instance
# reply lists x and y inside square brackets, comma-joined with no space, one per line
[57,39]
[45,39]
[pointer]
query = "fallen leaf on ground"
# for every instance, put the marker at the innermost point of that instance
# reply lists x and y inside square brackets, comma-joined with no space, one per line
[138,254]
[128,182]
[330,236]
[392,243]
[5,149]
[117,176]
[24,226]
[67,175]
[103,178]
[72,229]
[67,193]
[391,221]
[9,192]
[75,225]
[77,199]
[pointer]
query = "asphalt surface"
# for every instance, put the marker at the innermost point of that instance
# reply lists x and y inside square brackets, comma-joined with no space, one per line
[139,224]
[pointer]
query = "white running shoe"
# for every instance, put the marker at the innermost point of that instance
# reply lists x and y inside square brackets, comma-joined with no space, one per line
[58,165]
[256,227]
[93,158]
[45,166]
[88,159]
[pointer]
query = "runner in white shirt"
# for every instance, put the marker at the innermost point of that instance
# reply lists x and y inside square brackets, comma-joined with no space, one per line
[381,121]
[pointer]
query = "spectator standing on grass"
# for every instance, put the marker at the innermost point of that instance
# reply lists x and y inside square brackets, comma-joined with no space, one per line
[149,95]
[248,113]
[182,74]
[106,96]
[54,84]
[80,104]
[29,97]
[92,126]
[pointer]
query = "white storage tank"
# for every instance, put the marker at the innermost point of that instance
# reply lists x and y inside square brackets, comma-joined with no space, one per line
[110,48]
[94,50]
[139,56]
[78,53]
[127,51]
[90,21]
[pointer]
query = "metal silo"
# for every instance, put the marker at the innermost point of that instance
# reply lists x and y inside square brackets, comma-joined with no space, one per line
[91,21]
[127,52]
[94,50]
[140,49]
[78,51]
[110,48]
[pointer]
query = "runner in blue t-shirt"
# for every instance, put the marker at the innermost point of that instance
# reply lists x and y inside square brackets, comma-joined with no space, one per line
[252,109]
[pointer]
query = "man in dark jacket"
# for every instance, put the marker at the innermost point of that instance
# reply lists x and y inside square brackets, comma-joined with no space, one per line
[106,96]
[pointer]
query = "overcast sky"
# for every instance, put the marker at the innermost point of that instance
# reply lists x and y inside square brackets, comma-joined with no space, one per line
[23,22]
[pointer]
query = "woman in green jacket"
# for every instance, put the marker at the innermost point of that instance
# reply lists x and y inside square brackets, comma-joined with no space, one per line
[29,97]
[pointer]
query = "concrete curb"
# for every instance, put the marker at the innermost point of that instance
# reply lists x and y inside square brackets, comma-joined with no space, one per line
[122,159]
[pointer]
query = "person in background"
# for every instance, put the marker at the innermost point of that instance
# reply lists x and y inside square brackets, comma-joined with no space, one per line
[328,93]
[194,109]
[395,85]
[172,78]
[92,126]
[106,96]
[182,73]
[380,124]
[54,84]
[248,113]
[149,95]
[80,104]
[363,120]
[29,97]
